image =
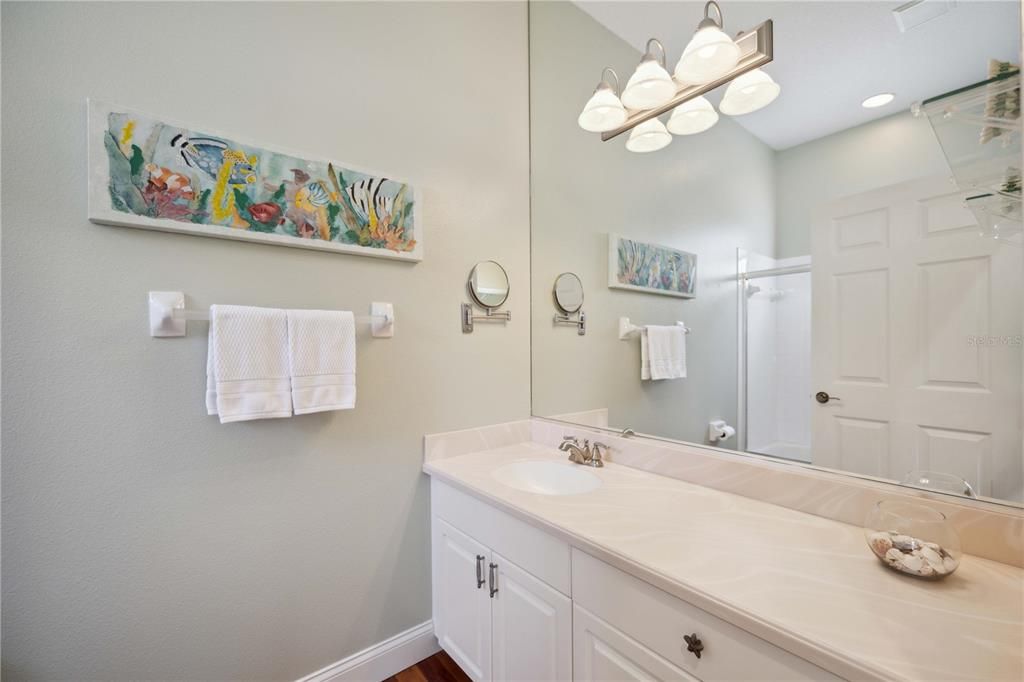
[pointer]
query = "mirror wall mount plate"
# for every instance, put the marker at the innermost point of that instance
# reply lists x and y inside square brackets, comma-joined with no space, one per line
[489,288]
[567,294]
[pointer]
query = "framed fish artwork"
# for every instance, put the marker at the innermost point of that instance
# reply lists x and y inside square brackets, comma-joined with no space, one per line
[150,173]
[651,268]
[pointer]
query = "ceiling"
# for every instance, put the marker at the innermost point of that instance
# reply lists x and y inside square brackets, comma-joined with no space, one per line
[830,56]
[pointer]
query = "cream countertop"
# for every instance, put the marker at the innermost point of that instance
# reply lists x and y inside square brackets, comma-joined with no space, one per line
[802,582]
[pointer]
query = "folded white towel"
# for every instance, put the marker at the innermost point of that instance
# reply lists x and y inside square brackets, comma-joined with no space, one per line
[322,357]
[666,351]
[247,364]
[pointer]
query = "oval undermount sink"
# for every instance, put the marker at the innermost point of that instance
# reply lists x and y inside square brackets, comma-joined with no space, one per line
[547,478]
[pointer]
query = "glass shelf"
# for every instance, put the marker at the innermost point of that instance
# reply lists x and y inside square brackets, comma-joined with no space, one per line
[979,130]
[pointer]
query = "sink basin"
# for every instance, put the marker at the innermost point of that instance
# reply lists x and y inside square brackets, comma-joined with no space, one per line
[547,478]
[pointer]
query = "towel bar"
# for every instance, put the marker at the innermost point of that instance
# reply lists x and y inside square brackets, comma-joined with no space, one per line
[627,329]
[168,316]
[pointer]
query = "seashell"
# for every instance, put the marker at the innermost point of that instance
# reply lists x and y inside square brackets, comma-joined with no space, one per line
[904,543]
[912,563]
[880,543]
[894,557]
[933,546]
[931,556]
[949,563]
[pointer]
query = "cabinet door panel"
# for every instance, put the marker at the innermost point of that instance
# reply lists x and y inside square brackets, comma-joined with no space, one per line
[462,609]
[603,654]
[531,627]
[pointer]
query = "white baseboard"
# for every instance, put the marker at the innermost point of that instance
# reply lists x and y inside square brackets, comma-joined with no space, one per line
[382,660]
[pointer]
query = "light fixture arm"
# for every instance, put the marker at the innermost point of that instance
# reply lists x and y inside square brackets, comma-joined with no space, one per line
[604,82]
[708,21]
[650,55]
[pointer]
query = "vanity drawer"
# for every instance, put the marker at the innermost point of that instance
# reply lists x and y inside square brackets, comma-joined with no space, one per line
[659,621]
[538,553]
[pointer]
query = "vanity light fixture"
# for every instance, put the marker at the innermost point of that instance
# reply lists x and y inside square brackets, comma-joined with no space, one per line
[711,52]
[650,85]
[649,136]
[710,60]
[750,91]
[603,111]
[692,117]
[879,100]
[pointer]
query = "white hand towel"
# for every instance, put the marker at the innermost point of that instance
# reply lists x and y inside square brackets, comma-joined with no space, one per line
[247,364]
[645,361]
[666,351]
[322,357]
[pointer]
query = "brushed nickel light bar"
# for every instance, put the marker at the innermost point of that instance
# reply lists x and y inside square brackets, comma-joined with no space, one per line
[756,50]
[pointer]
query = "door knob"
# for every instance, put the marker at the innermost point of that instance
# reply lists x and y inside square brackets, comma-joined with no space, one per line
[823,397]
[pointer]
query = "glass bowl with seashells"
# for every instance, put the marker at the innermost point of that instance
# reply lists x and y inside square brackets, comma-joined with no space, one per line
[913,539]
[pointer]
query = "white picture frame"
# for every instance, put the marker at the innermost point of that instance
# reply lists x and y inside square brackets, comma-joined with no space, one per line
[102,209]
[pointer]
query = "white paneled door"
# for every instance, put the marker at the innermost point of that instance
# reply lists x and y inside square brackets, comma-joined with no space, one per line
[916,340]
[462,608]
[531,627]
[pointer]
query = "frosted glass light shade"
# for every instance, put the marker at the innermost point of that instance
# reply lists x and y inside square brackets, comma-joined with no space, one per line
[650,86]
[749,92]
[710,54]
[649,136]
[602,112]
[692,117]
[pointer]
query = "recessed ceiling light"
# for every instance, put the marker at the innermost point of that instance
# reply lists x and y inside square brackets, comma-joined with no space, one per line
[878,100]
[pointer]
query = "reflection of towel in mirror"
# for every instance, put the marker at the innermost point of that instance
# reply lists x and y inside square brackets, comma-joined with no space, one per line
[663,352]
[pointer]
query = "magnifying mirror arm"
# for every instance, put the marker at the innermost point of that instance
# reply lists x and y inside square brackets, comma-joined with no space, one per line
[579,321]
[491,315]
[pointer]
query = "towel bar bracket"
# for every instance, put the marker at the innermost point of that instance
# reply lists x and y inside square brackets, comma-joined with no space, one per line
[168,316]
[628,330]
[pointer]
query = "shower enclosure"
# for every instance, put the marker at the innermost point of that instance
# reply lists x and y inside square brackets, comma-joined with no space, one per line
[775,355]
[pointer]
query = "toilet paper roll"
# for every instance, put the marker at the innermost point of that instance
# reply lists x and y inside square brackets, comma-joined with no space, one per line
[727,433]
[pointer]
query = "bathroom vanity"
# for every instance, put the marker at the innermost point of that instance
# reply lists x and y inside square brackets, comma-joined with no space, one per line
[548,570]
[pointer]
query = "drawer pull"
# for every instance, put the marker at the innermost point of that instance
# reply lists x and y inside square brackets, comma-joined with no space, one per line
[492,576]
[693,644]
[479,571]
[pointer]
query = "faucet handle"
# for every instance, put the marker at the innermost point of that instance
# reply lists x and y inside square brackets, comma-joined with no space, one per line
[596,459]
[570,439]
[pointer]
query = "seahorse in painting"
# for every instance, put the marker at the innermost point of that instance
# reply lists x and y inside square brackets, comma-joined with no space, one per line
[235,171]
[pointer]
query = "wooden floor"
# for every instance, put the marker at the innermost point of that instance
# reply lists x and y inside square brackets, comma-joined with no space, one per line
[438,668]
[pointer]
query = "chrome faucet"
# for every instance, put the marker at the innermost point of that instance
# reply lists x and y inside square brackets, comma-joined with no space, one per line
[583,455]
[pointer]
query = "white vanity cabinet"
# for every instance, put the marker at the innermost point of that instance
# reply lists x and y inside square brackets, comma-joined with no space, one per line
[512,602]
[496,619]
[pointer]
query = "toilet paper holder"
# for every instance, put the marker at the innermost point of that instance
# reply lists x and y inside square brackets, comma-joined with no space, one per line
[719,430]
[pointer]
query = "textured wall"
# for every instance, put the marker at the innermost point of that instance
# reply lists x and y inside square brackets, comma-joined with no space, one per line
[708,194]
[141,539]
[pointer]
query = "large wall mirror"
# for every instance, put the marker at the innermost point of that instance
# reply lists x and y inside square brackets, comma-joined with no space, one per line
[848,267]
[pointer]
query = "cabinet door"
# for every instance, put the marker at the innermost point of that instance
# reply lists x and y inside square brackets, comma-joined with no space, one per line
[531,627]
[462,606]
[603,654]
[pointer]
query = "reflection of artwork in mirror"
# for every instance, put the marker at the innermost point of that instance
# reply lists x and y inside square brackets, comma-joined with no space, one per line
[651,268]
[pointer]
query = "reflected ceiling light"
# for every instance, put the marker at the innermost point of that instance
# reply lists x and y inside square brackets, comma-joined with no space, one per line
[692,117]
[603,111]
[879,100]
[649,136]
[650,85]
[748,93]
[710,54]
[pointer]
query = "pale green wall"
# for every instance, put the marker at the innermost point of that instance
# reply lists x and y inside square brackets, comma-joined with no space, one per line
[142,539]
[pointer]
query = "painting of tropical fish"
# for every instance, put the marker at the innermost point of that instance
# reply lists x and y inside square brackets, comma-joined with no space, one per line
[651,268]
[148,172]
